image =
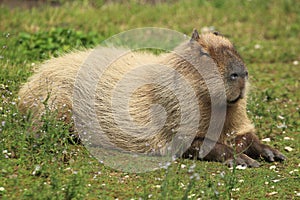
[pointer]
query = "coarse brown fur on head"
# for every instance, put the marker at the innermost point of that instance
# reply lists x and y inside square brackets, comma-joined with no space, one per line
[229,62]
[203,51]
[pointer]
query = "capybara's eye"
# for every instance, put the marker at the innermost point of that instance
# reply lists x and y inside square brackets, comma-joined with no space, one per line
[234,76]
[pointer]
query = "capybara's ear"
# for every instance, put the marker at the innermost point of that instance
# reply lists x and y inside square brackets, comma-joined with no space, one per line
[195,35]
[217,33]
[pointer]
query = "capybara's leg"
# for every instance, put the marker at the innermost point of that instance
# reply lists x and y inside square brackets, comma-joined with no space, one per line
[250,145]
[219,152]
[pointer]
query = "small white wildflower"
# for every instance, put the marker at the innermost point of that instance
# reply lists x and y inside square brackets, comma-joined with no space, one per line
[36,170]
[239,145]
[165,166]
[174,158]
[271,193]
[280,117]
[216,192]
[241,181]
[272,167]
[296,62]
[157,186]
[289,149]
[191,195]
[103,184]
[3,123]
[257,46]
[241,167]
[275,180]
[297,194]
[266,183]
[283,125]
[2,189]
[235,189]
[288,138]
[222,174]
[266,140]
[4,151]
[182,166]
[196,176]
[191,169]
[193,166]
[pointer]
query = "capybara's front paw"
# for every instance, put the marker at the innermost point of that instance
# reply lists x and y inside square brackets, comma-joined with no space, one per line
[270,154]
[250,145]
[242,160]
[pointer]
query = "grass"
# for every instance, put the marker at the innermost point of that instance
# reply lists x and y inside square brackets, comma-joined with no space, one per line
[266,33]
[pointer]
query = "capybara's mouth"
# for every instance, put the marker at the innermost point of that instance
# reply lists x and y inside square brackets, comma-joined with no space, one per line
[235,100]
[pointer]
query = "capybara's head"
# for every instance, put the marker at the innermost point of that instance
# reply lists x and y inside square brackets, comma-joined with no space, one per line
[229,62]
